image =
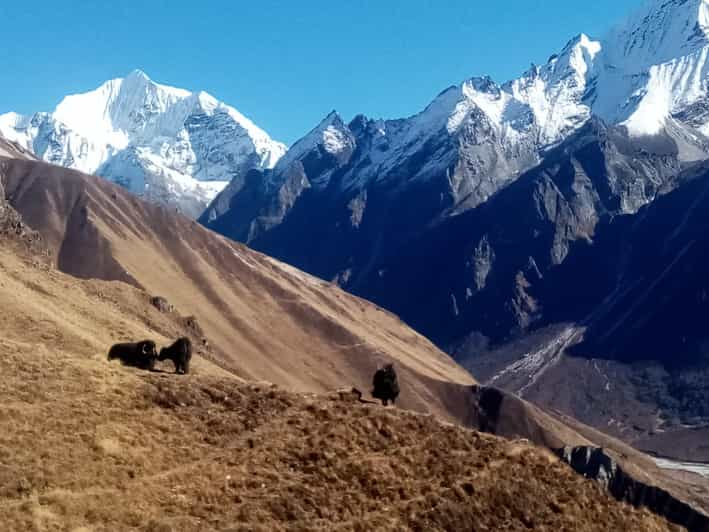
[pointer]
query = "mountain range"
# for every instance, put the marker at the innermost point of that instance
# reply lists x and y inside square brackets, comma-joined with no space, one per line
[536,229]
[276,355]
[529,255]
[547,232]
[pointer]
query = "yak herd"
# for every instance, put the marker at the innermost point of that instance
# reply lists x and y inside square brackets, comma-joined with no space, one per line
[144,354]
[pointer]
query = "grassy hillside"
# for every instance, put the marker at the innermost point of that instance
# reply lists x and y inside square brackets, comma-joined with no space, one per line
[89,445]
[263,319]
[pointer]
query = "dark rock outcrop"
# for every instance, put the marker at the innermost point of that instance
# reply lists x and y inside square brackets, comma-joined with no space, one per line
[13,227]
[162,304]
[594,463]
[498,412]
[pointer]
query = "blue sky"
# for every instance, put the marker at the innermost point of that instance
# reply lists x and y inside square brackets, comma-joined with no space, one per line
[286,64]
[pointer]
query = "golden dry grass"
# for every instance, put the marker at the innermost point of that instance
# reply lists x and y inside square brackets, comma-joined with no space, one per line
[88,445]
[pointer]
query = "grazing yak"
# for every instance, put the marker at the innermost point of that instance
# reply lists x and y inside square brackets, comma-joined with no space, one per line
[138,354]
[180,353]
[386,385]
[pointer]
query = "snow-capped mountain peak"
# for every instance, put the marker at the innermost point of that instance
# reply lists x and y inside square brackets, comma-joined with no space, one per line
[654,66]
[545,104]
[649,74]
[577,56]
[646,71]
[168,144]
[331,134]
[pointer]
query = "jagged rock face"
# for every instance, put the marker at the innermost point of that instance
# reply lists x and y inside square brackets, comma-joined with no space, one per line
[646,298]
[165,144]
[484,270]
[649,273]
[484,166]
[338,185]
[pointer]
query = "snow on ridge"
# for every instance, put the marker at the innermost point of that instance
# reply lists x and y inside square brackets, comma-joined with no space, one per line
[331,133]
[657,32]
[655,65]
[184,139]
[140,77]
[640,75]
[334,140]
[546,102]
[211,105]
[642,72]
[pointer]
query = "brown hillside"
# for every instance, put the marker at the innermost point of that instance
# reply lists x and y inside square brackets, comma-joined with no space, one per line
[10,149]
[265,320]
[88,445]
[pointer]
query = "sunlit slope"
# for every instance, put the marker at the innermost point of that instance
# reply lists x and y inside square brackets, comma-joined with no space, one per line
[264,320]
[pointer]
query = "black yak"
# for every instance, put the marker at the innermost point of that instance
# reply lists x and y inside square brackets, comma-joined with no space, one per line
[180,353]
[386,385]
[138,354]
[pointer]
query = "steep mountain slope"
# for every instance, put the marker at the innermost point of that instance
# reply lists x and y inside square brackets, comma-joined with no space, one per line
[496,222]
[13,150]
[165,144]
[263,319]
[55,332]
[649,74]
[649,290]
[93,445]
[480,273]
